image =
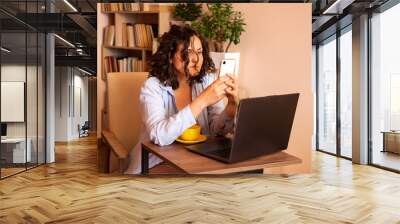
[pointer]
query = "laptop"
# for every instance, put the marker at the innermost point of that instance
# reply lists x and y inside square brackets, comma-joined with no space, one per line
[263,126]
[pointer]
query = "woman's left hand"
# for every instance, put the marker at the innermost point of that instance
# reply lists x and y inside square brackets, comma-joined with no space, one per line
[232,91]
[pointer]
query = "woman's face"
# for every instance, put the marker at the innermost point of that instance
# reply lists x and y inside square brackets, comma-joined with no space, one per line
[195,54]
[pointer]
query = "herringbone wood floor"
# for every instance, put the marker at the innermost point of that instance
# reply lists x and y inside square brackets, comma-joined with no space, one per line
[71,191]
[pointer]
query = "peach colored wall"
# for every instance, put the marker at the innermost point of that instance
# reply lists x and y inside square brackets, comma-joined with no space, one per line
[276,59]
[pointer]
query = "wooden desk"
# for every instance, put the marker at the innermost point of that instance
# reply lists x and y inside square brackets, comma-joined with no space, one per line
[391,141]
[13,150]
[192,163]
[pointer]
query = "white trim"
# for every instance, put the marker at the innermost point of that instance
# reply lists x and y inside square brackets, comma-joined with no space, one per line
[84,71]
[65,41]
[5,49]
[70,5]
[337,7]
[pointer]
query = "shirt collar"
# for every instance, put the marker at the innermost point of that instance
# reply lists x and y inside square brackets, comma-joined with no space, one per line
[171,91]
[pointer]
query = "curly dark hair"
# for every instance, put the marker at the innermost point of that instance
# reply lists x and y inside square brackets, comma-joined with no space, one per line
[160,65]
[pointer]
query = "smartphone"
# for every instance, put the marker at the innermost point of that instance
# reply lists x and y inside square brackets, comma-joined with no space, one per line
[227,67]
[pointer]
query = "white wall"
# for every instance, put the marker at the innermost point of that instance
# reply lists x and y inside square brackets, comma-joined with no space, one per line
[70,83]
[16,73]
[80,83]
[9,73]
[61,103]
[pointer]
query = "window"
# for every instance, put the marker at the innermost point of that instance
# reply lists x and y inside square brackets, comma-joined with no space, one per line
[327,96]
[385,88]
[22,73]
[346,93]
[395,102]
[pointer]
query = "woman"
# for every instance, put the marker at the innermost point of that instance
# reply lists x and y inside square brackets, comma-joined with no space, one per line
[182,91]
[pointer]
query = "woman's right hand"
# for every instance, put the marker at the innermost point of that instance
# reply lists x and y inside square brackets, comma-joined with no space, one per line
[215,92]
[211,95]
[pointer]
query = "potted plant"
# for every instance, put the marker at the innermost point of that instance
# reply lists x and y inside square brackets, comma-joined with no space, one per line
[185,13]
[220,25]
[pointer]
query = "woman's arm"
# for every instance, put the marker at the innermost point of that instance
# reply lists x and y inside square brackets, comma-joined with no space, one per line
[162,129]
[232,92]
[222,117]
[211,95]
[219,121]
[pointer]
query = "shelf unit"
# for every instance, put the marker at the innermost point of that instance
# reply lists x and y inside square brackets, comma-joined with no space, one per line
[157,15]
[127,48]
[133,12]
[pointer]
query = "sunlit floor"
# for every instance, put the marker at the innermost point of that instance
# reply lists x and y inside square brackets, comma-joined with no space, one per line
[5,172]
[386,159]
[72,191]
[11,170]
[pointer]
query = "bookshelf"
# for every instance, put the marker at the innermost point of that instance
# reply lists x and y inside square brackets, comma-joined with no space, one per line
[119,49]
[127,48]
[132,12]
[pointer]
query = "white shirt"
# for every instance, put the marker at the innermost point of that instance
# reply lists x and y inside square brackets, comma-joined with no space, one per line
[163,123]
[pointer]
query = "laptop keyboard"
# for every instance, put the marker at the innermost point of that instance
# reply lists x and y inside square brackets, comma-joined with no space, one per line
[215,148]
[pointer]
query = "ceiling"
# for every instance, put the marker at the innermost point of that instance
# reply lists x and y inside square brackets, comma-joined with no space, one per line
[332,15]
[76,23]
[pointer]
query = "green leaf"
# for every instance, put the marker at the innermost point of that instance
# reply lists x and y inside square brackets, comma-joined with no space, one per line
[187,11]
[221,23]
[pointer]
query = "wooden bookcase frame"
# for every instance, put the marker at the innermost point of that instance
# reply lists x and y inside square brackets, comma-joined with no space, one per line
[158,14]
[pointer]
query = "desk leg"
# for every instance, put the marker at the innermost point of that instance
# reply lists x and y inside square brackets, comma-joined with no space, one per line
[145,161]
[384,143]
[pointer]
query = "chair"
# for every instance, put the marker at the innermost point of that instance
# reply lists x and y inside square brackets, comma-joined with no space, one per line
[123,117]
[84,130]
[123,121]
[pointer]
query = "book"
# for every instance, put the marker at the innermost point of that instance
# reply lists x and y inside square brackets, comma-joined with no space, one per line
[123,64]
[124,35]
[109,35]
[138,36]
[131,36]
[120,7]
[143,34]
[150,36]
[150,7]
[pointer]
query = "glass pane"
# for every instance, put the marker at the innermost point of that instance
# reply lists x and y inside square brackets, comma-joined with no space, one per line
[327,96]
[314,81]
[23,89]
[32,102]
[346,94]
[386,89]
[13,87]
[41,98]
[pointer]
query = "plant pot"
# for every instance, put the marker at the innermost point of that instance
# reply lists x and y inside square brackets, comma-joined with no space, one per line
[215,46]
